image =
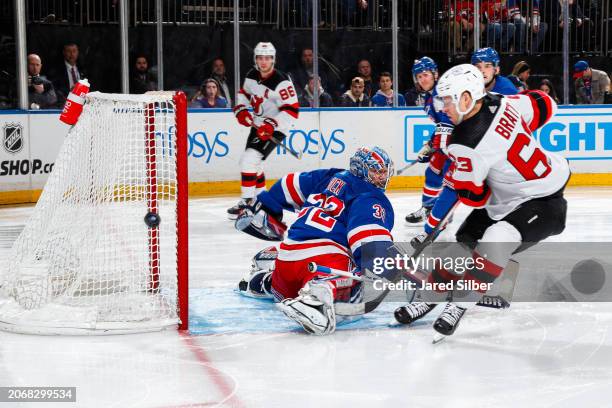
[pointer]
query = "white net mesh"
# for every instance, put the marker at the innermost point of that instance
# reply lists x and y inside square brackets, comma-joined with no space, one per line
[86,260]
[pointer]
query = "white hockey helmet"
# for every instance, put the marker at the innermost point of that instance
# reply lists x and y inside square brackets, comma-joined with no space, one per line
[264,48]
[457,80]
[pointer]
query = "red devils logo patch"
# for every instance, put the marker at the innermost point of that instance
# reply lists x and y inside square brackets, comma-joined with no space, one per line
[256,102]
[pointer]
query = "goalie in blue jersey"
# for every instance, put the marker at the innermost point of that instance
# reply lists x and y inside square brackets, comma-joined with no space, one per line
[338,212]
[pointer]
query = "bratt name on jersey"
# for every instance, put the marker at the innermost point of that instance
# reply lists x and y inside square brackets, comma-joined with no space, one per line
[507,122]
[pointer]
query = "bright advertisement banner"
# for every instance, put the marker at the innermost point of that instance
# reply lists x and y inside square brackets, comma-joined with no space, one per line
[216,142]
[327,138]
[47,134]
[15,164]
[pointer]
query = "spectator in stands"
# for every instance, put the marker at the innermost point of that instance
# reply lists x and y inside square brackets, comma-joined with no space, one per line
[579,25]
[364,70]
[208,96]
[547,86]
[355,97]
[520,75]
[303,72]
[306,99]
[69,73]
[219,74]
[520,12]
[142,79]
[591,84]
[499,30]
[384,96]
[461,24]
[355,13]
[41,92]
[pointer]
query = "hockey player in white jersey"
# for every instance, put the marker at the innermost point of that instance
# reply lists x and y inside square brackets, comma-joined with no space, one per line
[273,98]
[499,169]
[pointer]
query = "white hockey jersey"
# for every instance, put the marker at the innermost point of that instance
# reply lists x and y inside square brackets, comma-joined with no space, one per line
[274,98]
[497,164]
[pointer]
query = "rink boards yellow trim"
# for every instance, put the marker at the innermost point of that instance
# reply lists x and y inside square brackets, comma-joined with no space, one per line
[212,188]
[397,183]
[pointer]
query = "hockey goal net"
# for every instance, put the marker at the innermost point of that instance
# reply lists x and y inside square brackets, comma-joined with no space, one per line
[105,250]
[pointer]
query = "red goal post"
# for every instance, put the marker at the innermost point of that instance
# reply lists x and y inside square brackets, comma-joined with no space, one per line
[106,248]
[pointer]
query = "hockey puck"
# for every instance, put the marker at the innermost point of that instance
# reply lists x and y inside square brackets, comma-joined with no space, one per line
[588,276]
[152,220]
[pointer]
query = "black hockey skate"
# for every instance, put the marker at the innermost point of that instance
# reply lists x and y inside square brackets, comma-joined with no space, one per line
[449,319]
[412,312]
[417,241]
[418,216]
[233,212]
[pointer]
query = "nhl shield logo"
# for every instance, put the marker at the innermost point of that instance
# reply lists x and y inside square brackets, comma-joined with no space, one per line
[13,137]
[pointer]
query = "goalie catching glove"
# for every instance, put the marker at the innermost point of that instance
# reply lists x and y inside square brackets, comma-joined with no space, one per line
[258,221]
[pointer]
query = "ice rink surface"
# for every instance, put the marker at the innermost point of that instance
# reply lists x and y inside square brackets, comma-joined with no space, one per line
[531,355]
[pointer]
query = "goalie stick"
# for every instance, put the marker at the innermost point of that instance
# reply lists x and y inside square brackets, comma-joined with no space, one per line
[354,309]
[313,267]
[406,167]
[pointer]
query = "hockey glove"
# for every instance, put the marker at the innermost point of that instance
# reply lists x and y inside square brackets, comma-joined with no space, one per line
[258,221]
[243,115]
[441,137]
[424,154]
[266,129]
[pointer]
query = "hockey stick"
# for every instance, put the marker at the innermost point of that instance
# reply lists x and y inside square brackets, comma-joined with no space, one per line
[406,167]
[294,153]
[354,309]
[288,149]
[425,151]
[313,267]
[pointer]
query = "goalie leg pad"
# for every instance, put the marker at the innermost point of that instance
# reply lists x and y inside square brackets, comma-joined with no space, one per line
[257,285]
[258,281]
[313,309]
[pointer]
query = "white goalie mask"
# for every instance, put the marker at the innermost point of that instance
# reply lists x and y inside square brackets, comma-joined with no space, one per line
[264,48]
[457,80]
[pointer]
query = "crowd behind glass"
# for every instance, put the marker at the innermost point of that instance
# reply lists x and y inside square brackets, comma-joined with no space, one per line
[517,27]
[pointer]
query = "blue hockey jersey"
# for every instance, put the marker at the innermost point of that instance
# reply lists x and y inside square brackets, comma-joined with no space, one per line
[504,86]
[337,213]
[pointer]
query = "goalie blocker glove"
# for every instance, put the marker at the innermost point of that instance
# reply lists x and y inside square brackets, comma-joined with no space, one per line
[256,220]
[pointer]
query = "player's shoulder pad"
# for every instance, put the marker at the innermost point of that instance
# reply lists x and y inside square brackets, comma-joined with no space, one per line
[321,177]
[275,79]
[504,86]
[544,107]
[471,132]
[252,74]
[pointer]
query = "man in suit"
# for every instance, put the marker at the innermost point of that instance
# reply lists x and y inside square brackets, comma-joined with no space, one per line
[69,73]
